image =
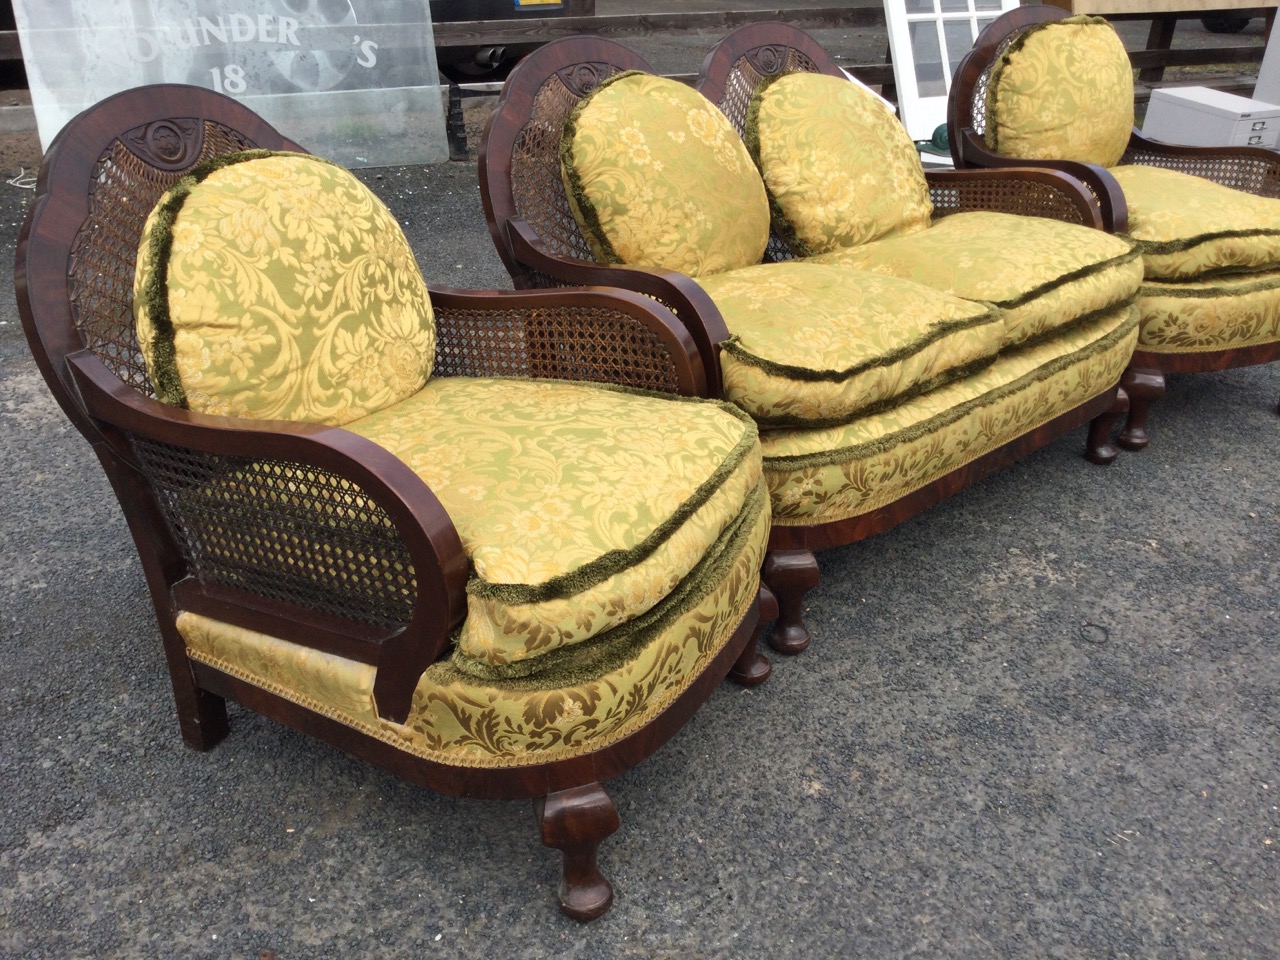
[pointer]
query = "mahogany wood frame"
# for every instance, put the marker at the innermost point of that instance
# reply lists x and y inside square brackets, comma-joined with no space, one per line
[1253,169]
[579,63]
[161,126]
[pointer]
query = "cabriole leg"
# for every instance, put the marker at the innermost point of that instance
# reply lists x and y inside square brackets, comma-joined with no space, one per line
[790,574]
[1099,448]
[576,821]
[1144,387]
[753,667]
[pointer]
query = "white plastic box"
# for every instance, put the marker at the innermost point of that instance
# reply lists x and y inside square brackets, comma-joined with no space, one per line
[1202,117]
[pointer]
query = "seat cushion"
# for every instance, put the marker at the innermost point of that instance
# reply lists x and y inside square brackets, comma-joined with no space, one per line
[838,166]
[1189,227]
[1044,274]
[815,344]
[1063,90]
[580,507]
[657,177]
[821,476]
[604,693]
[277,286]
[1221,313]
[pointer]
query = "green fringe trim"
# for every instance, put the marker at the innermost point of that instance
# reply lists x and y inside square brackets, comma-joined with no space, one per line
[941,329]
[1078,274]
[583,662]
[782,227]
[585,212]
[997,68]
[1156,248]
[880,406]
[163,363]
[615,561]
[1243,290]
[954,415]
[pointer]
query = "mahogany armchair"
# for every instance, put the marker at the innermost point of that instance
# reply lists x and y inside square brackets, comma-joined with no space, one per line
[362,581]
[1045,89]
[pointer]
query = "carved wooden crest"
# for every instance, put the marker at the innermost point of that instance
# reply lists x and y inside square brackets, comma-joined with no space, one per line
[167,144]
[581,78]
[768,60]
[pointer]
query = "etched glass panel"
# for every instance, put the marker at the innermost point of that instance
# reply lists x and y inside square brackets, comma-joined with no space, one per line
[351,80]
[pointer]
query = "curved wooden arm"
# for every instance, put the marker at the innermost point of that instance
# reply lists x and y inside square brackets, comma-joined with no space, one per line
[969,150]
[1022,190]
[440,566]
[617,339]
[679,293]
[1254,170]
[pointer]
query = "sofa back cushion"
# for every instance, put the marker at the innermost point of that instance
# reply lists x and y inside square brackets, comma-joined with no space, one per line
[1063,90]
[277,286]
[839,167]
[657,177]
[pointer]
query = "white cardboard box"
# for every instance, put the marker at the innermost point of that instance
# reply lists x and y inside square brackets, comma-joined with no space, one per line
[1210,118]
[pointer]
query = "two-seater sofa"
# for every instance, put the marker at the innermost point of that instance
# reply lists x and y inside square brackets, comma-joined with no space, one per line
[896,336]
[493,542]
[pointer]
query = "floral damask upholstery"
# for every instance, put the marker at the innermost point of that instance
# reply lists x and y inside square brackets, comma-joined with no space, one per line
[814,346]
[608,690]
[657,177]
[1062,90]
[1044,274]
[852,469]
[1189,316]
[1210,229]
[839,168]
[276,286]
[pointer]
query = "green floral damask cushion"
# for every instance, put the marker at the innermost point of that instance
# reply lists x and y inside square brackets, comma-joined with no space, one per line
[1044,274]
[657,177]
[815,345]
[1189,227]
[1063,90]
[839,167]
[276,286]
[581,508]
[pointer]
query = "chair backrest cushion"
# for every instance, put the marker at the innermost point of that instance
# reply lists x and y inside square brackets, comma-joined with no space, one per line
[657,177]
[839,167]
[1063,90]
[277,286]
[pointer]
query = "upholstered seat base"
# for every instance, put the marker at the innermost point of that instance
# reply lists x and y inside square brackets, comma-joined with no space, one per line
[1223,313]
[823,476]
[458,720]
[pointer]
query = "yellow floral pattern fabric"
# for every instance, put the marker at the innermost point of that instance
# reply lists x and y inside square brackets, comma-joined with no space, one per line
[1190,227]
[580,507]
[288,292]
[1044,274]
[657,177]
[1203,315]
[817,344]
[458,721]
[838,165]
[1062,91]
[818,476]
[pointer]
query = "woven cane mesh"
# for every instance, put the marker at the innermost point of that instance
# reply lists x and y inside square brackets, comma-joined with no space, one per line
[977,105]
[1006,195]
[537,190]
[570,343]
[741,85]
[1252,174]
[104,253]
[285,531]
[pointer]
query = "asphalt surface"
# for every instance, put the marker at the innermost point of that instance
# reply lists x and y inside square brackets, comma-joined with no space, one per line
[1039,720]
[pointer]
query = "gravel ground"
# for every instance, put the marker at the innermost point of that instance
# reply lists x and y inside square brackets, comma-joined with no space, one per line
[1038,720]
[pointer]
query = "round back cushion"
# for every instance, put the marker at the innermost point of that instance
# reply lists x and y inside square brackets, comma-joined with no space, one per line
[1063,90]
[839,167]
[657,177]
[277,286]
